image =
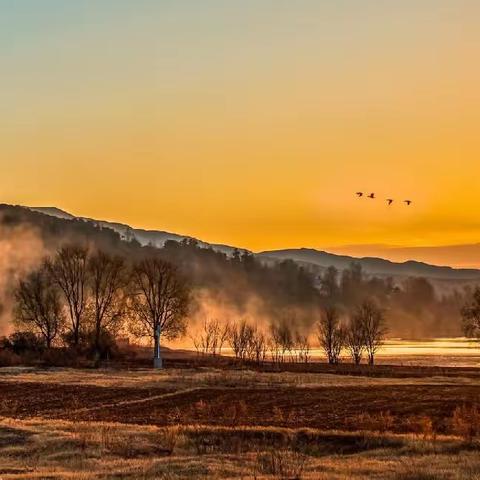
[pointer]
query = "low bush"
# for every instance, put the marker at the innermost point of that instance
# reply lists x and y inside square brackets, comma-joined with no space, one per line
[421,425]
[378,422]
[283,464]
[23,342]
[465,422]
[60,357]
[107,347]
[9,358]
[168,438]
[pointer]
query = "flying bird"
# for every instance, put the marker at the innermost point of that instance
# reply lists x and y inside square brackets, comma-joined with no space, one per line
[408,202]
[372,195]
[390,201]
[359,194]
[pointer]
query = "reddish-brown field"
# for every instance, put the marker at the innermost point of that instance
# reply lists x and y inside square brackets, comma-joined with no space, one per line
[222,421]
[326,407]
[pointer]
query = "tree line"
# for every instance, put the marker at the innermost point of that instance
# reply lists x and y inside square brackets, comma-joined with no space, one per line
[85,296]
[416,307]
[363,332]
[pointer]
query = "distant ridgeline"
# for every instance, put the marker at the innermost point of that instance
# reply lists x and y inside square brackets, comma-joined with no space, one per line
[315,260]
[273,285]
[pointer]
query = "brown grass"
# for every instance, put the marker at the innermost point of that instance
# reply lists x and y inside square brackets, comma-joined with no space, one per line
[220,424]
[60,449]
[465,422]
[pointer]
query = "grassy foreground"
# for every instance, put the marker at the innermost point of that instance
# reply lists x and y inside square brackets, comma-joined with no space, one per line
[61,449]
[208,423]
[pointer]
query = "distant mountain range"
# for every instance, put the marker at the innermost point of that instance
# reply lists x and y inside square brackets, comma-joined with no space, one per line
[458,256]
[309,257]
[372,265]
[154,238]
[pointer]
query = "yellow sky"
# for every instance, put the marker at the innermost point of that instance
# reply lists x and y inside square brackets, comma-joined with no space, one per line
[247,123]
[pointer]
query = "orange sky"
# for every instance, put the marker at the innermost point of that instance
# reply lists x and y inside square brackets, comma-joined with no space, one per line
[250,123]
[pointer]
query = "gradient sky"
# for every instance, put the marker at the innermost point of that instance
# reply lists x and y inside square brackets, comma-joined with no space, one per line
[247,122]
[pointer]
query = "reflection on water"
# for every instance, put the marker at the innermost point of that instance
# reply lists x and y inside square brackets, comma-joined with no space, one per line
[436,346]
[459,352]
[441,352]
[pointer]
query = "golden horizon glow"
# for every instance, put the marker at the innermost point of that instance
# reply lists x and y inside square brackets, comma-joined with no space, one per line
[251,124]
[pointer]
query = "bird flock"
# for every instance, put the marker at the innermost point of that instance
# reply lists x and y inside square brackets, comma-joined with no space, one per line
[388,200]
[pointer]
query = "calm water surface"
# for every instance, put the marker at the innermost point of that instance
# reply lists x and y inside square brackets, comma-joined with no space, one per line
[438,351]
[455,352]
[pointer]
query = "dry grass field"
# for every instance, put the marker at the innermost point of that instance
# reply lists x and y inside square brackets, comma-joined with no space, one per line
[211,422]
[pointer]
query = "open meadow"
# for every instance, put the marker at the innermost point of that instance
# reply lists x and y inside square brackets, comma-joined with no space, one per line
[201,419]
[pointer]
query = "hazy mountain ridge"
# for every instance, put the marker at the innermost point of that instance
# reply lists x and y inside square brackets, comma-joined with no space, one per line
[306,256]
[154,238]
[240,286]
[372,265]
[459,256]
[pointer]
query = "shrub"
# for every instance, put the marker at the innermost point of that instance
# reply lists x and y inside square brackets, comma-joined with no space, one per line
[168,438]
[9,358]
[414,474]
[60,357]
[24,342]
[236,413]
[108,348]
[465,422]
[278,415]
[422,425]
[283,464]
[381,422]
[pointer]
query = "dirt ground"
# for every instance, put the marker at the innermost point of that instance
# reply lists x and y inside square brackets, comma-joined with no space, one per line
[326,407]
[231,423]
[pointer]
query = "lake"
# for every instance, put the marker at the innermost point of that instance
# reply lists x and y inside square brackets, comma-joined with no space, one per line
[444,352]
[461,352]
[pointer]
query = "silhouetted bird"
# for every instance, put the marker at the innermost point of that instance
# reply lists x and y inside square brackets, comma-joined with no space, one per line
[390,201]
[359,194]
[372,195]
[408,202]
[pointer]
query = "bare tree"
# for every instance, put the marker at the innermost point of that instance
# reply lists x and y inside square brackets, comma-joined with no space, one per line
[331,334]
[247,342]
[282,339]
[302,345]
[38,306]
[258,346]
[222,337]
[374,329]
[354,339]
[159,301]
[274,347]
[212,337]
[471,315]
[107,281]
[68,271]
[203,340]
[329,287]
[239,338]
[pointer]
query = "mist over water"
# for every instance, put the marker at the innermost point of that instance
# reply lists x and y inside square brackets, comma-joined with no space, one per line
[21,250]
[459,352]
[240,287]
[441,352]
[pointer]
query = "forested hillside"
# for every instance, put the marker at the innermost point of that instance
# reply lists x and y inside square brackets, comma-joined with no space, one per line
[231,287]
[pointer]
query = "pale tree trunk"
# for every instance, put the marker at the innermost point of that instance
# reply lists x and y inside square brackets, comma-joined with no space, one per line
[157,357]
[97,353]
